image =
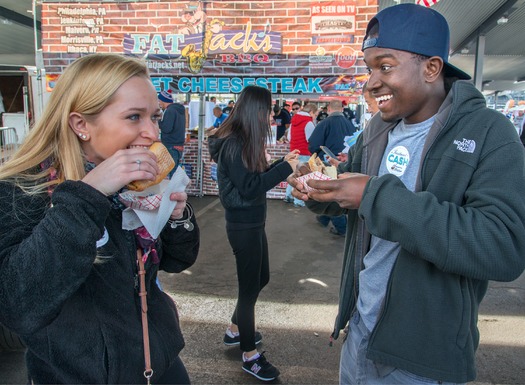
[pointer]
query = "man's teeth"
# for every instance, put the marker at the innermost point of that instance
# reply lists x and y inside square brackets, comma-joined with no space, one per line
[146,147]
[383,98]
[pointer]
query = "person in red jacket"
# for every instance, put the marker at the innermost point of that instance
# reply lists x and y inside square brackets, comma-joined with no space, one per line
[301,128]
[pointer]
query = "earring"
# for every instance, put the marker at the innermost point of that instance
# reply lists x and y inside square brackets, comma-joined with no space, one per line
[83,136]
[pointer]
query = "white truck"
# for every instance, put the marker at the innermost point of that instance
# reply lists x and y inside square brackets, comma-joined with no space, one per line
[23,95]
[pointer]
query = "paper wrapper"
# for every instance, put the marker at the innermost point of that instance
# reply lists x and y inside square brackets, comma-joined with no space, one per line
[152,207]
[148,199]
[313,175]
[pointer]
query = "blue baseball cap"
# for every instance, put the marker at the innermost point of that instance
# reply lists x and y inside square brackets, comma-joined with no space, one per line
[413,28]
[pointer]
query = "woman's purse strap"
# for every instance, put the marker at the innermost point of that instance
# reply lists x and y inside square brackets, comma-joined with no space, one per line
[148,372]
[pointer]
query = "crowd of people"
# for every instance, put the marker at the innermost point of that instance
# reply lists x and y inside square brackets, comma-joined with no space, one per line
[430,200]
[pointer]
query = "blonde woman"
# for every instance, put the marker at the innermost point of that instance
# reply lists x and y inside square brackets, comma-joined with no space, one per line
[68,271]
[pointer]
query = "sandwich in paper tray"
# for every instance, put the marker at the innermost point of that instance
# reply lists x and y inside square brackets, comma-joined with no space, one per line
[318,171]
[152,207]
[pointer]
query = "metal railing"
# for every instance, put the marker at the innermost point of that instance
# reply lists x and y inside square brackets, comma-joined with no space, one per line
[8,143]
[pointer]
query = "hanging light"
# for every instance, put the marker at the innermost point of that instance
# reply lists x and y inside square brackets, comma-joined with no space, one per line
[502,20]
[5,21]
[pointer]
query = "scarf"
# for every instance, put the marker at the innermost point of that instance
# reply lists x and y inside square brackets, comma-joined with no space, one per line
[142,236]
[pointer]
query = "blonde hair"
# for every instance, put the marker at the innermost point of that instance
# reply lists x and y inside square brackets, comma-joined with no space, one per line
[310,107]
[86,87]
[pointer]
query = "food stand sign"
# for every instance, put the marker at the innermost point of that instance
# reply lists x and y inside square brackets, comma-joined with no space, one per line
[333,17]
[345,57]
[213,46]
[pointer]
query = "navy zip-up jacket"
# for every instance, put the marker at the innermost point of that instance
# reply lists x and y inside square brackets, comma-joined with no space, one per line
[331,132]
[173,126]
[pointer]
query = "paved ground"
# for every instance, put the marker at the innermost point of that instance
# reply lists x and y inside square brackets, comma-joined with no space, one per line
[296,310]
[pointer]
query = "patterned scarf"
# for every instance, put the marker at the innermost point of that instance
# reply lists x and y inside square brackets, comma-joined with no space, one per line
[142,236]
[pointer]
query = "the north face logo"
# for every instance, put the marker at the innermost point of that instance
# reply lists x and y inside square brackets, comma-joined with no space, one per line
[255,368]
[467,145]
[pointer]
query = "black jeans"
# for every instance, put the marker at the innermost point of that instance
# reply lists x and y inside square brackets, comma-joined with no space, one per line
[250,248]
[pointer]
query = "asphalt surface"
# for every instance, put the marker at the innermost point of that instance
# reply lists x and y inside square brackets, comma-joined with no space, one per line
[295,312]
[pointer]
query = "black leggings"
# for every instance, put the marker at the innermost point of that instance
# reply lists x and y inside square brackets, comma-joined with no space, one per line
[250,247]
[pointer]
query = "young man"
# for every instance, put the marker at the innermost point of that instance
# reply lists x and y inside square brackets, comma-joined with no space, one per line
[323,114]
[296,107]
[283,120]
[331,132]
[228,109]
[433,190]
[347,112]
[172,127]
[301,129]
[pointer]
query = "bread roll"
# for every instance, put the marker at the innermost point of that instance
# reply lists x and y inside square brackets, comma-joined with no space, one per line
[331,171]
[165,163]
[315,163]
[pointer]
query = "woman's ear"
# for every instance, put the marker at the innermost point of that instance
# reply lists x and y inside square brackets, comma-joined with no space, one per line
[434,67]
[78,124]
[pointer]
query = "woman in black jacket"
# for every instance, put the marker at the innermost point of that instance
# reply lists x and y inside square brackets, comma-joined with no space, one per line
[69,281]
[244,177]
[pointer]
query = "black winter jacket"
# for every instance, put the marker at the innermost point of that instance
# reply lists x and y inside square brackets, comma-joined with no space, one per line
[68,287]
[242,192]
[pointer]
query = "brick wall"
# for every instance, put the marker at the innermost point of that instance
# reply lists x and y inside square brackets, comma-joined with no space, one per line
[103,27]
[111,21]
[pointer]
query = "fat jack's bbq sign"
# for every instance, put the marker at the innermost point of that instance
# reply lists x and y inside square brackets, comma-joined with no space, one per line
[189,38]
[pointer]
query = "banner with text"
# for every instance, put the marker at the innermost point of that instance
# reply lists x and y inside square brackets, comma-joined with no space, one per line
[211,39]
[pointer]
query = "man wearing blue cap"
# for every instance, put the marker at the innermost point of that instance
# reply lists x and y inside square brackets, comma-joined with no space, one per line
[433,190]
[172,127]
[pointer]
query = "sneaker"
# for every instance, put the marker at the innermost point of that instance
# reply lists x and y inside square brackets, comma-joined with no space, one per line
[321,221]
[335,232]
[261,368]
[236,340]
